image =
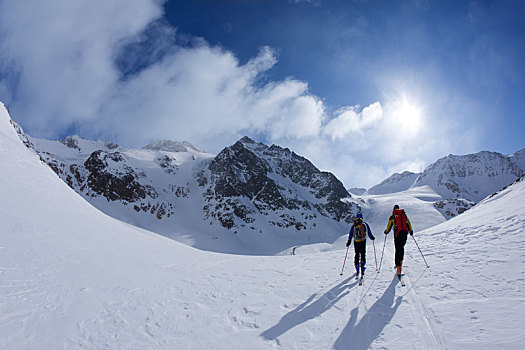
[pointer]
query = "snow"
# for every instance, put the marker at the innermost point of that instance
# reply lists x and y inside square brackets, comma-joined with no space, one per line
[72,277]
[519,158]
[417,202]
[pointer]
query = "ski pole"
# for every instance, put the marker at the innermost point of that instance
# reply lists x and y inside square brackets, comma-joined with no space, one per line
[417,245]
[344,260]
[380,262]
[375,256]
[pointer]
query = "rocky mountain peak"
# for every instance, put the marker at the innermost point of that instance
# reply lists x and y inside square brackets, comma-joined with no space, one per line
[250,179]
[247,140]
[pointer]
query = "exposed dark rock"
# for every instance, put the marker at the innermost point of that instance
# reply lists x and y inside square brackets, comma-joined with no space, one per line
[70,142]
[111,145]
[114,186]
[453,207]
[252,177]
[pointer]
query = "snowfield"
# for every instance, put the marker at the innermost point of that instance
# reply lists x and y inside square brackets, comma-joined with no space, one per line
[72,277]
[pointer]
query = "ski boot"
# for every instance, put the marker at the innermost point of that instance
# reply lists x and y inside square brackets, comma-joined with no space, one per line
[363,268]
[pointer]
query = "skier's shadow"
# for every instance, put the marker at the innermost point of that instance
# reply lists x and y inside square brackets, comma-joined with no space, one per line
[362,335]
[309,310]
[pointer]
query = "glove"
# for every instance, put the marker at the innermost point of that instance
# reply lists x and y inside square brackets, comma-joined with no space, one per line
[348,243]
[386,233]
[411,233]
[373,238]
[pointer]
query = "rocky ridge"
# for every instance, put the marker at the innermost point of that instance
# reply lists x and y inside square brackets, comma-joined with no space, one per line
[250,179]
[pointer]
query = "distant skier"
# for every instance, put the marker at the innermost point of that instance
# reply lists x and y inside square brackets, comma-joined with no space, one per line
[358,231]
[402,227]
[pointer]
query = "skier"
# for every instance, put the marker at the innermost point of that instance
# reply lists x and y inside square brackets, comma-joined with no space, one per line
[402,227]
[359,230]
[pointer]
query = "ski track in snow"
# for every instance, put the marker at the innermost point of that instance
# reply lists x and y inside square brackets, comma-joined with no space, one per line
[428,334]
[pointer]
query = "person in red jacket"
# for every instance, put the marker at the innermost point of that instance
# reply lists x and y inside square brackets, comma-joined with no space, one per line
[402,227]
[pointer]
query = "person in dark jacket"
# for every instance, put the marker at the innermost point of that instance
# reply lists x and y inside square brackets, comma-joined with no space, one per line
[359,231]
[402,227]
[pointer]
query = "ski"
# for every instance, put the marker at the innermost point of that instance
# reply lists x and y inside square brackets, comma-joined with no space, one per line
[361,280]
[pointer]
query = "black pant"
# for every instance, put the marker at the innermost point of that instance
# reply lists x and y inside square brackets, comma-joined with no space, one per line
[400,239]
[360,251]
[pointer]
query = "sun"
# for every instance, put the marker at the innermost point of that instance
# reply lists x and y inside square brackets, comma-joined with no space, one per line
[407,115]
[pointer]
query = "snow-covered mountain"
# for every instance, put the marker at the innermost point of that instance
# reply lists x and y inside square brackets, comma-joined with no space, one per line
[472,176]
[74,278]
[395,183]
[243,200]
[454,184]
[150,180]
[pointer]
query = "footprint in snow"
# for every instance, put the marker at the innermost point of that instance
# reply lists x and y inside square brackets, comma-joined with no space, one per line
[243,318]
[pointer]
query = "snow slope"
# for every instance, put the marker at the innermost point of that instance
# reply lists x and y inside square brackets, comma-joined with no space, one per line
[417,202]
[72,277]
[395,183]
[477,277]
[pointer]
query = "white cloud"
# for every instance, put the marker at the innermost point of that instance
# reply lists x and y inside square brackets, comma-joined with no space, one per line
[62,50]
[350,119]
[202,93]
[286,110]
[65,53]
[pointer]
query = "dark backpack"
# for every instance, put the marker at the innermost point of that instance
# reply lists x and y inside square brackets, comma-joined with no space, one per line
[359,229]
[400,220]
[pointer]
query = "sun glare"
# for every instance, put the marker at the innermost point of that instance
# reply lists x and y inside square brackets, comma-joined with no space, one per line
[408,116]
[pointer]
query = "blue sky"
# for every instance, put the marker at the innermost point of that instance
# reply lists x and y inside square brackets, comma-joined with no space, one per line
[361,88]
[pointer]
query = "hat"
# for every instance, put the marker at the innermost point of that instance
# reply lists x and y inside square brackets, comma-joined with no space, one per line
[396,207]
[359,216]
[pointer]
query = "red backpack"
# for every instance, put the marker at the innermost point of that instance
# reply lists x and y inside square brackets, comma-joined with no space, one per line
[400,220]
